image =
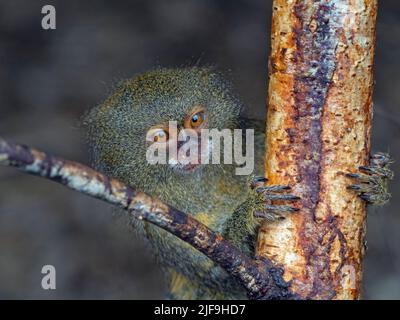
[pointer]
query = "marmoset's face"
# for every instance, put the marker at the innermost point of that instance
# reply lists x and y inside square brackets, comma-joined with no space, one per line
[168,108]
[181,141]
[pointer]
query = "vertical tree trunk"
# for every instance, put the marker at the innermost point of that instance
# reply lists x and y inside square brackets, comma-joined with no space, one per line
[318,128]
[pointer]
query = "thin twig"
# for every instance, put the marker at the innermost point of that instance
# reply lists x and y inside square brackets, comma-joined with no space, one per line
[260,278]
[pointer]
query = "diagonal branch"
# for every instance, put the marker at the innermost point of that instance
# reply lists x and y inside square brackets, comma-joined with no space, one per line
[260,278]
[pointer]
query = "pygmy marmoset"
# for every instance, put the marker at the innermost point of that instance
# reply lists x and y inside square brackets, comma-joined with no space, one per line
[118,133]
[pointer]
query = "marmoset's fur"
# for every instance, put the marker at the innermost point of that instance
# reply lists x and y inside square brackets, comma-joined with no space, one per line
[230,204]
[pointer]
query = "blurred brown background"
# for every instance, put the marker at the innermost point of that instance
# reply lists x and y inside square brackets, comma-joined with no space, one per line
[49,78]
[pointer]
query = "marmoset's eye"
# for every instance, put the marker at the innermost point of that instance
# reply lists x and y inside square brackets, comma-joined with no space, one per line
[157,135]
[196,120]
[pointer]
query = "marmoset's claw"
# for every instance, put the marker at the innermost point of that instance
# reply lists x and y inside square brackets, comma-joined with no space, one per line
[266,195]
[372,180]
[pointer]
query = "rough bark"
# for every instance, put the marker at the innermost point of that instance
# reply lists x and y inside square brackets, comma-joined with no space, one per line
[318,129]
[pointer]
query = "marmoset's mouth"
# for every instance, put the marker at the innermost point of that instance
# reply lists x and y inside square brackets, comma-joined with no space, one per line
[187,168]
[181,164]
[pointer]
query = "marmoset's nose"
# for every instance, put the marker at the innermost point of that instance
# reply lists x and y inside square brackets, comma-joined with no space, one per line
[181,143]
